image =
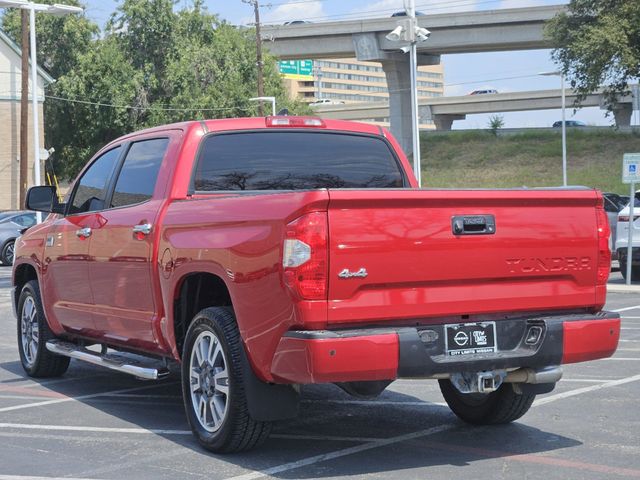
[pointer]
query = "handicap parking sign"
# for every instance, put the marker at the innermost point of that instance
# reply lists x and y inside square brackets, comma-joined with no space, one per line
[631,168]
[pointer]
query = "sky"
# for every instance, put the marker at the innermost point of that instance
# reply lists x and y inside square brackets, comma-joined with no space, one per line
[463,72]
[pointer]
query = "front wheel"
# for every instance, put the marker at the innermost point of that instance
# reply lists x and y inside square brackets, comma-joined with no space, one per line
[502,406]
[212,385]
[33,334]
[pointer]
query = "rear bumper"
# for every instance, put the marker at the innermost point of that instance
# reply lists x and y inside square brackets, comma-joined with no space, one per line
[419,352]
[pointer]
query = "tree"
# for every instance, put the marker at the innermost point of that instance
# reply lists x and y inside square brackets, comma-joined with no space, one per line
[85,108]
[597,45]
[151,66]
[496,122]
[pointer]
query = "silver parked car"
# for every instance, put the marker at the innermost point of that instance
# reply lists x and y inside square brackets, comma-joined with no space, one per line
[11,224]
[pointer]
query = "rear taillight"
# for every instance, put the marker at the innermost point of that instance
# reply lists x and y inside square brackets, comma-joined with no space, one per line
[625,218]
[305,256]
[604,253]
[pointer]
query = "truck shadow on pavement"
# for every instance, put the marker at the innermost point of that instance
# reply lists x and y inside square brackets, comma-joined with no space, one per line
[330,422]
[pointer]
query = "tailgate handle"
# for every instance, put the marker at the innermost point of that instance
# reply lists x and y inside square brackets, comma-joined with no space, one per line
[473,225]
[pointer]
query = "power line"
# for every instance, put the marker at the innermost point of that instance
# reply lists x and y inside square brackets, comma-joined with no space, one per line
[135,107]
[430,6]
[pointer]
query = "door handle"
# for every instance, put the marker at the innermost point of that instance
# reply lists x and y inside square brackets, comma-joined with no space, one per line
[144,229]
[83,232]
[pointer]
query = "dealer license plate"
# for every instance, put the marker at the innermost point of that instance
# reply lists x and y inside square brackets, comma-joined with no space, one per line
[470,338]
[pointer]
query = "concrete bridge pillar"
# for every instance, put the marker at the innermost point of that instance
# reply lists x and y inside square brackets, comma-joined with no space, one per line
[622,113]
[398,83]
[396,68]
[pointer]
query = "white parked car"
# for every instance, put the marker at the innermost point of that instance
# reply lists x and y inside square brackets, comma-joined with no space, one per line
[326,101]
[622,239]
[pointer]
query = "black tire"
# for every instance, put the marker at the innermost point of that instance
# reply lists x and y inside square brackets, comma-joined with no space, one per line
[6,256]
[235,431]
[501,406]
[36,360]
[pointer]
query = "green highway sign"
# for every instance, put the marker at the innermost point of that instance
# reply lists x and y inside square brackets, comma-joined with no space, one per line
[296,68]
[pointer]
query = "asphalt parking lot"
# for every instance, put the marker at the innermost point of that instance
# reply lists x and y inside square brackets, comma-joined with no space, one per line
[96,424]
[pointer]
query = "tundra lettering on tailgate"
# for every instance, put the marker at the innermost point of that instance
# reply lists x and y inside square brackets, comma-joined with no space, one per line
[553,264]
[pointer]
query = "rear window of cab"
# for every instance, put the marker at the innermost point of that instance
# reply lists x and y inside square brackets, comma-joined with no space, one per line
[295,160]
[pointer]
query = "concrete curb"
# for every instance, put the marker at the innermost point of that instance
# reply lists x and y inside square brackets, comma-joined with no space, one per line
[617,288]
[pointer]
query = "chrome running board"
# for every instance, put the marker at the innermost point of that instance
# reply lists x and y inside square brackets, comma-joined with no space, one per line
[111,361]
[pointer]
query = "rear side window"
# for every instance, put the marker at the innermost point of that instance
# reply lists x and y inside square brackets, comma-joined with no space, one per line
[91,191]
[137,178]
[295,160]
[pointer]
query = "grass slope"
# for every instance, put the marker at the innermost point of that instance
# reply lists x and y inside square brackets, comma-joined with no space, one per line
[478,159]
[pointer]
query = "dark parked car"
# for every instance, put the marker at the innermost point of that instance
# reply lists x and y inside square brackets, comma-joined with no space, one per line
[570,123]
[11,224]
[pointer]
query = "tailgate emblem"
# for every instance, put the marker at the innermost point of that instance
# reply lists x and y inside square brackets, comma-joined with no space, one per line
[346,273]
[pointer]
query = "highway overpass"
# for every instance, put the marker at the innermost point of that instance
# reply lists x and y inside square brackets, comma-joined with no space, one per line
[463,32]
[444,110]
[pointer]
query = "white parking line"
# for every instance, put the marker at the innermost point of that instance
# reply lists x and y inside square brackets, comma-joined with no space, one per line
[47,382]
[580,391]
[81,397]
[72,428]
[626,309]
[30,477]
[624,359]
[403,438]
[342,453]
[21,397]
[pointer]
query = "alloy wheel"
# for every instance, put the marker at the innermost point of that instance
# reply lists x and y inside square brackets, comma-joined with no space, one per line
[29,330]
[209,380]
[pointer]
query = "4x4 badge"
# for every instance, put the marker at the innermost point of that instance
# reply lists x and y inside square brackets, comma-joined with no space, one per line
[346,273]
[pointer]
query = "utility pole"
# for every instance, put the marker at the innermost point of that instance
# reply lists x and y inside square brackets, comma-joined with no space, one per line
[259,63]
[24,111]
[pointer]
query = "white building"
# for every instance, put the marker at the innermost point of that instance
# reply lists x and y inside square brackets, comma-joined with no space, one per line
[10,89]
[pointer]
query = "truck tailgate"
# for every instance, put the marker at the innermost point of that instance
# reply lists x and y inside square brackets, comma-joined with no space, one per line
[541,254]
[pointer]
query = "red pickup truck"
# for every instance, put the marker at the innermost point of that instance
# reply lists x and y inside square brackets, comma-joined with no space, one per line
[262,254]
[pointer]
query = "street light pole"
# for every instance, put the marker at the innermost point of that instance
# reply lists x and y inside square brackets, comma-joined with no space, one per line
[564,121]
[55,9]
[413,62]
[34,101]
[266,99]
[564,132]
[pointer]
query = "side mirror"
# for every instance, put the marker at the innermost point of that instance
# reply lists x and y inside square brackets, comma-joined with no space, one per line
[44,199]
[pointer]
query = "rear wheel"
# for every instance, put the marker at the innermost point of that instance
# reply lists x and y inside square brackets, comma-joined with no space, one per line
[6,256]
[501,406]
[212,385]
[33,334]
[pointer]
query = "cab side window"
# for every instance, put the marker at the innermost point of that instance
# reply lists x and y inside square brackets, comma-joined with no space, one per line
[91,192]
[137,178]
